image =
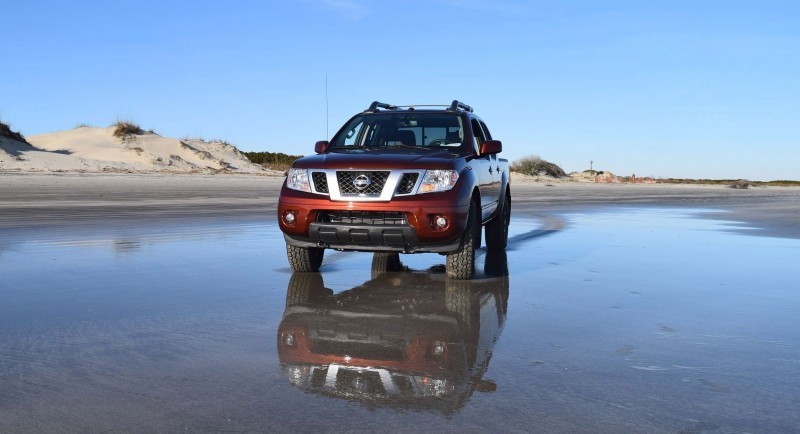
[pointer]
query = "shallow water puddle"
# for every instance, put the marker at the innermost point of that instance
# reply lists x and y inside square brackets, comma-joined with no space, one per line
[634,320]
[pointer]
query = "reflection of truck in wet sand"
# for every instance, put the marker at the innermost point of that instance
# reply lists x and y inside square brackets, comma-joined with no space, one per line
[405,340]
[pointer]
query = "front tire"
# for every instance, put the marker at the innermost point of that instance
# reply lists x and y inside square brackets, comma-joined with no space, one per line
[461,263]
[305,259]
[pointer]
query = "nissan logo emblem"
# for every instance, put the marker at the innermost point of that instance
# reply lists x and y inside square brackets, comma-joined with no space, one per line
[361,182]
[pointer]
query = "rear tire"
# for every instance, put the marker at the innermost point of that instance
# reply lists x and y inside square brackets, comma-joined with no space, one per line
[305,259]
[497,229]
[461,263]
[496,263]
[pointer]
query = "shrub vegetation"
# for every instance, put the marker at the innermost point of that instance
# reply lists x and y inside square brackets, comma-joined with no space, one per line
[535,166]
[272,160]
[5,131]
[695,181]
[127,129]
[741,184]
[781,183]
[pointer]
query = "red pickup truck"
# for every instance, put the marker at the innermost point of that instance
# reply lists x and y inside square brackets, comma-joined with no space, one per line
[399,179]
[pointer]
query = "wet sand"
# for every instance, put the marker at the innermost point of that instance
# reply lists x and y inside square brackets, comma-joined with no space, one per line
[771,211]
[41,200]
[151,303]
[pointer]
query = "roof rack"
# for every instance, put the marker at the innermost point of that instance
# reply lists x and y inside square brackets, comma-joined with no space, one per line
[459,105]
[376,105]
[455,106]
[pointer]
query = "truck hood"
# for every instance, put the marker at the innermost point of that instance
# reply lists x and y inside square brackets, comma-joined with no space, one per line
[380,158]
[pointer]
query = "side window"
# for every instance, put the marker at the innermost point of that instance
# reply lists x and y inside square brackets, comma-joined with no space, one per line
[352,136]
[486,130]
[488,137]
[478,133]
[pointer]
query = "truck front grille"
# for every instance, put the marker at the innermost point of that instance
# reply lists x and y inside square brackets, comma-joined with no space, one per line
[375,218]
[367,183]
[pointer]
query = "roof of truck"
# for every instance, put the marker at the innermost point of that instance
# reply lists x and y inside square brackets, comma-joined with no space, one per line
[454,107]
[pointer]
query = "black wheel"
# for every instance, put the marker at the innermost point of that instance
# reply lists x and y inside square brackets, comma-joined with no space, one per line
[497,229]
[461,263]
[385,262]
[496,263]
[304,259]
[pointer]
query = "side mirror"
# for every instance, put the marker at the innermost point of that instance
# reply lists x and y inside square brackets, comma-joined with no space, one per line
[490,147]
[321,146]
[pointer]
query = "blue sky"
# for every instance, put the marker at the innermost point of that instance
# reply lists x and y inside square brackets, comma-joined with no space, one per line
[668,89]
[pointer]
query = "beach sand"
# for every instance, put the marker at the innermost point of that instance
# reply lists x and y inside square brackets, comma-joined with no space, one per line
[71,199]
[152,302]
[99,150]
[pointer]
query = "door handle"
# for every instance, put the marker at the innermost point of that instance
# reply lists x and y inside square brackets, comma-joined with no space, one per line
[490,169]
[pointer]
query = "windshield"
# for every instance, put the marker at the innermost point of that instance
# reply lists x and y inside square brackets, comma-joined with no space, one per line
[424,130]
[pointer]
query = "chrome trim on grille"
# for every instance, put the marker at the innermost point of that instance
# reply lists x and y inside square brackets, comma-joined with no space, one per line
[389,188]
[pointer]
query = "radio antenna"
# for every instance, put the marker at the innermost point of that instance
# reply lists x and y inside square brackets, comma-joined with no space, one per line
[326,107]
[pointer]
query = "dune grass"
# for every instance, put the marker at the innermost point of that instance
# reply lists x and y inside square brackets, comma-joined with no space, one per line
[124,129]
[6,131]
[535,166]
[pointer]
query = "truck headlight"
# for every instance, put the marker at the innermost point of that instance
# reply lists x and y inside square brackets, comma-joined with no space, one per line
[297,179]
[438,180]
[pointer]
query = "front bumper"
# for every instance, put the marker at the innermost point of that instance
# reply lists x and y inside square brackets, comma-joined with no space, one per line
[418,235]
[368,239]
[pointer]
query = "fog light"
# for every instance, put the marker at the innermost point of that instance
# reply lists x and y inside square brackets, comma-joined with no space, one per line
[440,222]
[289,217]
[289,340]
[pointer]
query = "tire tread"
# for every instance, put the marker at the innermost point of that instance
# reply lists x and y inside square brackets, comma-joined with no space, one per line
[304,259]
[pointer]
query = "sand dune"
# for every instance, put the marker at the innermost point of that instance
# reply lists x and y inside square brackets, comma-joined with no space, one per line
[89,149]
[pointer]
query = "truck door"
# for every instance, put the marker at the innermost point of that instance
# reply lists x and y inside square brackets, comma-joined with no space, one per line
[486,169]
[497,176]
